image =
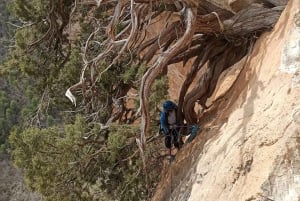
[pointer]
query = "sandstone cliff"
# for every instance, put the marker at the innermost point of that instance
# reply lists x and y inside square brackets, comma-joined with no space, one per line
[249,145]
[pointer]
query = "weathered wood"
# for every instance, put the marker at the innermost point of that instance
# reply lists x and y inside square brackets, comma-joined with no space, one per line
[277,2]
[226,56]
[251,20]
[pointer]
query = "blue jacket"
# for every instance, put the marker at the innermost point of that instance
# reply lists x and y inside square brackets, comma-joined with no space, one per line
[164,117]
[171,106]
[163,122]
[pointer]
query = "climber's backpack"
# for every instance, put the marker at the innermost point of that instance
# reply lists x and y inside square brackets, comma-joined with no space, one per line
[161,131]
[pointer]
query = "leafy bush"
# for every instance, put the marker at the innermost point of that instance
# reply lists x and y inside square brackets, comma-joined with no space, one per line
[65,164]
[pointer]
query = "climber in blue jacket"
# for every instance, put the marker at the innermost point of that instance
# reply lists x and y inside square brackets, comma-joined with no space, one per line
[168,122]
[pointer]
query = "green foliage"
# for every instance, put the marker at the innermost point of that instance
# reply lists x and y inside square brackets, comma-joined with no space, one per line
[7,29]
[61,80]
[133,73]
[63,165]
[159,92]
[65,156]
[31,73]
[129,74]
[30,11]
[13,100]
[117,138]
[51,159]
[8,115]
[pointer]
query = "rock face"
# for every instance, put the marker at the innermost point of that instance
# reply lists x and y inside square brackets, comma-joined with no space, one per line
[249,146]
[255,154]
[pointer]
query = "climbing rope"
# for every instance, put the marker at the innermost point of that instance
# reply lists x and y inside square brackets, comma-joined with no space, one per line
[170,163]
